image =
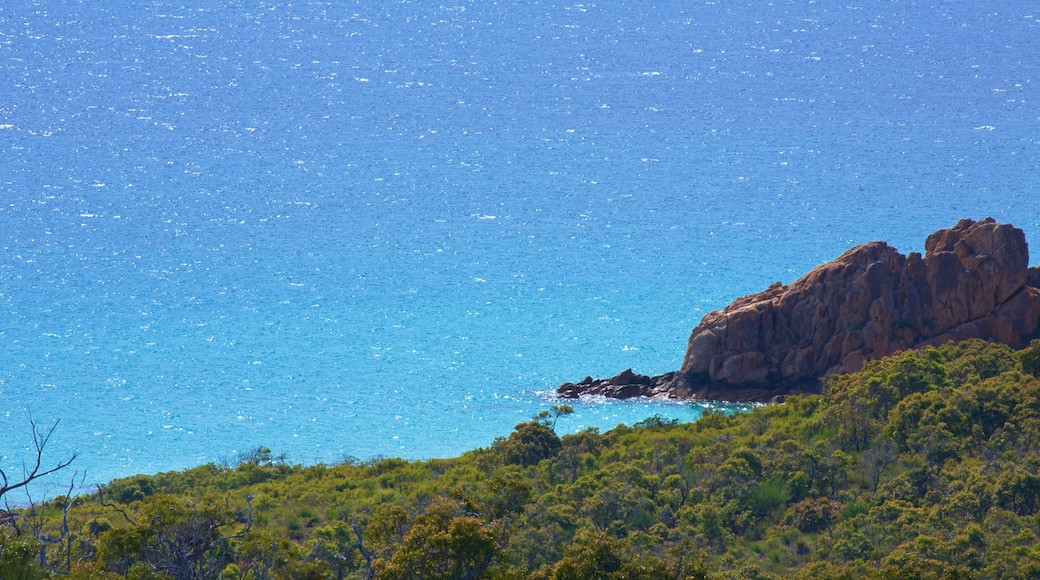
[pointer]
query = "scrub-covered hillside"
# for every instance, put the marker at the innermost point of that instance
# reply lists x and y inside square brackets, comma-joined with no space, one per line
[923,465]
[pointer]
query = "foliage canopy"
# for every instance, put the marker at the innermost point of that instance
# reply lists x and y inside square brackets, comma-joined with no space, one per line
[923,465]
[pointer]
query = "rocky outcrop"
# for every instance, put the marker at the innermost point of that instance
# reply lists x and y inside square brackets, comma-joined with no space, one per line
[972,282]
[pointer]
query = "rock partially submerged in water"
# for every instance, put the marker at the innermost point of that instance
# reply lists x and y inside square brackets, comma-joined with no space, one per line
[673,386]
[972,282]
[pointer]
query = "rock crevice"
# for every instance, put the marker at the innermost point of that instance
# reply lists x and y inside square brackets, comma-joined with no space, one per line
[972,282]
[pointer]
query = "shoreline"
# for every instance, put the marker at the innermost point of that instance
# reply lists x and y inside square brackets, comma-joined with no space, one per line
[676,386]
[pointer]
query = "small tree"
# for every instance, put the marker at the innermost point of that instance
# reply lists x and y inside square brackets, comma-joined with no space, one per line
[528,444]
[557,412]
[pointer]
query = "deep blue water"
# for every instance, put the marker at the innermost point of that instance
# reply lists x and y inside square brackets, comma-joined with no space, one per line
[360,229]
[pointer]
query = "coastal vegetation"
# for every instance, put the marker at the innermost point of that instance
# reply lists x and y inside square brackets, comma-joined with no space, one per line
[923,465]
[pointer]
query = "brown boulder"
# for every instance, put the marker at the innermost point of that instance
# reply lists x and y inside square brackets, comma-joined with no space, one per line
[973,282]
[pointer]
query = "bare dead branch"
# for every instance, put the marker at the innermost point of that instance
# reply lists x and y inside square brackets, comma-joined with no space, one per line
[361,548]
[119,510]
[249,520]
[66,537]
[29,474]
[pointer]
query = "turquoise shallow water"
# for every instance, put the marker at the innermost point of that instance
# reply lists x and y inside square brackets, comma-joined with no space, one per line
[355,229]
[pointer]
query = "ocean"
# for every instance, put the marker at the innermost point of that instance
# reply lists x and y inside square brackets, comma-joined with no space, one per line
[362,229]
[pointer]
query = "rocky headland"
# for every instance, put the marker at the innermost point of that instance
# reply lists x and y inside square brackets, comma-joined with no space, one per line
[974,281]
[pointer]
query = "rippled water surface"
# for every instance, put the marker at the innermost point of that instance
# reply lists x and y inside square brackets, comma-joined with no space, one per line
[352,229]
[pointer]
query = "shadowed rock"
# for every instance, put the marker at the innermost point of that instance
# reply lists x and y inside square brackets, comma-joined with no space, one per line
[973,282]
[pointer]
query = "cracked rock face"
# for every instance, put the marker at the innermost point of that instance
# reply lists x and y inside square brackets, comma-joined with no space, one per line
[972,282]
[869,303]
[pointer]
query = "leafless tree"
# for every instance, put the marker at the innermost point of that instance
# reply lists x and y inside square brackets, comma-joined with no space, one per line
[33,470]
[877,459]
[34,523]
